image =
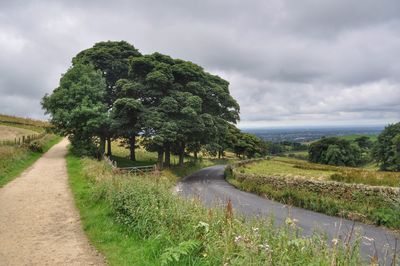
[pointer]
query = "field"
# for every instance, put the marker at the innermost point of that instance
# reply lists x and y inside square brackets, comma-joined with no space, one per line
[282,166]
[11,133]
[16,157]
[307,185]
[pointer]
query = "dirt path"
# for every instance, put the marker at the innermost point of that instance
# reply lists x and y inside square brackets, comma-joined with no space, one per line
[39,224]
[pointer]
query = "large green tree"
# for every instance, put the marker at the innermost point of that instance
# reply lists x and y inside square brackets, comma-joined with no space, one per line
[184,99]
[387,149]
[77,108]
[111,58]
[335,151]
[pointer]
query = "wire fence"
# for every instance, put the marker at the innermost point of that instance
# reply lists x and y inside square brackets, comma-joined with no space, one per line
[26,139]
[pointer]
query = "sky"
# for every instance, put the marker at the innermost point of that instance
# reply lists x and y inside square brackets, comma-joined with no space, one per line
[289,62]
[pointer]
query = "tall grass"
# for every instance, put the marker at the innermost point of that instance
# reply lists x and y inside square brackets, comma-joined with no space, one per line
[280,166]
[15,159]
[173,231]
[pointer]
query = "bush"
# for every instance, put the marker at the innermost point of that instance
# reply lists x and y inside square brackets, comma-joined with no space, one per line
[36,146]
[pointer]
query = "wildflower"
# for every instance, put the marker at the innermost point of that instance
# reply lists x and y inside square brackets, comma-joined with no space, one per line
[335,241]
[255,230]
[291,222]
[265,247]
[238,239]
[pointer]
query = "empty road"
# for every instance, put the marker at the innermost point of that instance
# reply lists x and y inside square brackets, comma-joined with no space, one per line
[210,186]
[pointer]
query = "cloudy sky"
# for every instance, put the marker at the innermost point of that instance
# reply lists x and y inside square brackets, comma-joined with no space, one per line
[289,62]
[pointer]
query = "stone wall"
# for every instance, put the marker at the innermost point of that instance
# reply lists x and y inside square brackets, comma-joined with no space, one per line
[339,190]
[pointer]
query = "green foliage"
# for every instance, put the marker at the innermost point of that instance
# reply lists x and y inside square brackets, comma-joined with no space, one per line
[77,107]
[335,151]
[359,206]
[250,146]
[387,149]
[173,254]
[183,232]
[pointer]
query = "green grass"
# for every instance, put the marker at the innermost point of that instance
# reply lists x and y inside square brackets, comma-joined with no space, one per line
[282,166]
[175,172]
[267,177]
[107,236]
[136,220]
[14,160]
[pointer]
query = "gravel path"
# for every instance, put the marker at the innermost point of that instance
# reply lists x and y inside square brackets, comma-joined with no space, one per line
[39,224]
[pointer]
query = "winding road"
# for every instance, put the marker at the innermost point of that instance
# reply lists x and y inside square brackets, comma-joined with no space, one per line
[211,187]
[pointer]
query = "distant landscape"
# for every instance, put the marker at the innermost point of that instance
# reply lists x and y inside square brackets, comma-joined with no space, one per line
[304,134]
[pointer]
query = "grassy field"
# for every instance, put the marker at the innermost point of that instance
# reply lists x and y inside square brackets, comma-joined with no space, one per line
[11,133]
[136,220]
[24,123]
[283,166]
[15,159]
[286,180]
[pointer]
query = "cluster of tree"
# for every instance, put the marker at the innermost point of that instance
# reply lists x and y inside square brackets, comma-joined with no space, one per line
[387,149]
[336,151]
[112,91]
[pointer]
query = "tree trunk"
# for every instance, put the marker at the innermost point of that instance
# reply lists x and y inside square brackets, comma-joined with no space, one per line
[160,155]
[132,144]
[195,155]
[167,156]
[220,154]
[109,153]
[102,148]
[181,153]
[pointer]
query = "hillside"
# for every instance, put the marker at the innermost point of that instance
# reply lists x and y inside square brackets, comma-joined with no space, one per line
[11,132]
[25,123]
[22,142]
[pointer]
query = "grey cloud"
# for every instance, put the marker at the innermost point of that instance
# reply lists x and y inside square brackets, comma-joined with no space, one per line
[287,61]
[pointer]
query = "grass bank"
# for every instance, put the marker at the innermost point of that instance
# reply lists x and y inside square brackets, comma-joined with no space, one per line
[15,159]
[310,186]
[138,221]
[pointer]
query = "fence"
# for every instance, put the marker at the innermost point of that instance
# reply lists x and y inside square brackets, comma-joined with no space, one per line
[137,170]
[21,140]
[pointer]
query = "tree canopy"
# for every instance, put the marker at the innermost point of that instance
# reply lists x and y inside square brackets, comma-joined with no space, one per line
[113,91]
[335,151]
[387,149]
[77,107]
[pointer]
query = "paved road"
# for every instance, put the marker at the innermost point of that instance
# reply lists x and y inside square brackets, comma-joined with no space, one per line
[210,186]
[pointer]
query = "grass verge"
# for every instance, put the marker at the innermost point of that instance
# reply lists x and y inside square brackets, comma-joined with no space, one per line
[136,220]
[14,160]
[374,205]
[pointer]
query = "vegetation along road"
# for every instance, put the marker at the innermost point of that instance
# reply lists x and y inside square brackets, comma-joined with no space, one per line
[211,187]
[39,224]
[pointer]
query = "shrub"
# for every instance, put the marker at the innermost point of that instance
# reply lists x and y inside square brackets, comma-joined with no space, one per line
[36,146]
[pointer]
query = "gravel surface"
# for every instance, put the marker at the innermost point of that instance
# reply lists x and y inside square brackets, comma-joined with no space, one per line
[39,224]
